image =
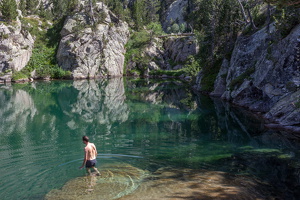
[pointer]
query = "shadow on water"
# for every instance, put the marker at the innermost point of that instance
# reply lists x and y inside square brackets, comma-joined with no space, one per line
[157,140]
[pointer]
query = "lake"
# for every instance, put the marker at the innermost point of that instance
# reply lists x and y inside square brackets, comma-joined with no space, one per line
[155,139]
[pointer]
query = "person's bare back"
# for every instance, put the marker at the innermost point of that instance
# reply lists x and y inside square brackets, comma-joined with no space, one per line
[91,151]
[90,155]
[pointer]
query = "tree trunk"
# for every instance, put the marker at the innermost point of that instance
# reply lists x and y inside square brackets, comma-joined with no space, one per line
[251,19]
[92,11]
[243,11]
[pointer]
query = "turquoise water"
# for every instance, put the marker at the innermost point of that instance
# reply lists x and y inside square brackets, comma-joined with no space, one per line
[145,123]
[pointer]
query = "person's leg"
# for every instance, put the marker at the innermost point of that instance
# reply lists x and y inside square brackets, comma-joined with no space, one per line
[98,173]
[88,170]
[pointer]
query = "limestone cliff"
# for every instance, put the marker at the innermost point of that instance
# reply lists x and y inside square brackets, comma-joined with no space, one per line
[169,53]
[15,49]
[95,50]
[263,75]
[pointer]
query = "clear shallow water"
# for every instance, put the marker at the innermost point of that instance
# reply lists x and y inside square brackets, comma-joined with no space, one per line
[146,124]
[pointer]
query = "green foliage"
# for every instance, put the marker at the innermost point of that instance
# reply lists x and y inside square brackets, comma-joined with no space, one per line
[3,36]
[53,34]
[241,78]
[19,75]
[31,6]
[138,40]
[192,66]
[135,45]
[182,27]
[63,8]
[175,28]
[52,71]
[138,14]
[209,76]
[22,6]
[283,3]
[172,73]
[9,9]
[155,28]
[152,8]
[297,104]
[37,28]
[43,55]
[287,19]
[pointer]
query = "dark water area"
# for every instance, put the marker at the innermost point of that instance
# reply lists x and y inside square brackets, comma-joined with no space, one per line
[151,125]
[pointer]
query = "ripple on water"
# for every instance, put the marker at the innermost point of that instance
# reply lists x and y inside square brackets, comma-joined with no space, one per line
[115,181]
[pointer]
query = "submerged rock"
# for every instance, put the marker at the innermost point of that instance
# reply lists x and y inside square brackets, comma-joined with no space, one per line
[177,184]
[114,182]
[126,182]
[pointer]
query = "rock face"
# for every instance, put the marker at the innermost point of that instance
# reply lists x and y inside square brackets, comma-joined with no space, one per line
[175,13]
[15,49]
[164,52]
[179,49]
[93,52]
[264,76]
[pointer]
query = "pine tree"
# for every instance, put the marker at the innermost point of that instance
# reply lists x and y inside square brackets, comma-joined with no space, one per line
[152,7]
[138,13]
[295,3]
[9,9]
[22,6]
[31,6]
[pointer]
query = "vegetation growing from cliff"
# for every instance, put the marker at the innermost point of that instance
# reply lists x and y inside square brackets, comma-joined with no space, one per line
[9,9]
[136,44]
[241,78]
[216,23]
[43,60]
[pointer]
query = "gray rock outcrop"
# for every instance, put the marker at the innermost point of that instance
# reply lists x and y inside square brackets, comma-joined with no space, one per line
[161,53]
[175,14]
[264,76]
[179,49]
[15,49]
[97,51]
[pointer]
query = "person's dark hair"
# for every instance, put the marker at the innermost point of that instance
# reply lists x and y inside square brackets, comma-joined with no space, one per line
[85,138]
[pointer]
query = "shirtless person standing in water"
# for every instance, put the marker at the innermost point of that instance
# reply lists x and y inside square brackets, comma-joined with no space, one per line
[90,154]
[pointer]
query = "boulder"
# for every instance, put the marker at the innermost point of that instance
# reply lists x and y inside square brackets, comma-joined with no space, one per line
[179,49]
[93,52]
[15,49]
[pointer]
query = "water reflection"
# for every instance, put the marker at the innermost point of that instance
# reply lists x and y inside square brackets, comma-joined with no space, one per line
[100,103]
[158,124]
[16,106]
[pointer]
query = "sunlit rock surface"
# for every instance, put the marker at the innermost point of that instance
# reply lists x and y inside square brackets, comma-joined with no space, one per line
[15,49]
[97,52]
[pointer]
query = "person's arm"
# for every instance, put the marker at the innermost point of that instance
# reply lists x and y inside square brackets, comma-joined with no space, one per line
[96,151]
[84,160]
